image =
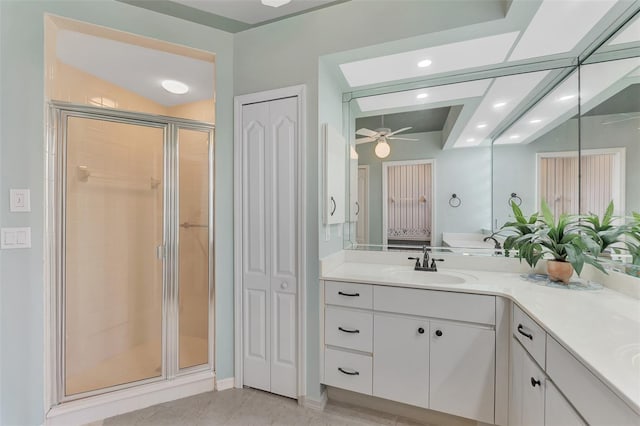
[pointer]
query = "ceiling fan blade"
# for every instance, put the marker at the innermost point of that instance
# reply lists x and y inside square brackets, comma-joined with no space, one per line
[398,131]
[365,140]
[366,132]
[403,139]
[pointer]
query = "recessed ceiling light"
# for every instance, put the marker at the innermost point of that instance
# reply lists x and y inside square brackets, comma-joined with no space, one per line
[535,121]
[499,104]
[566,98]
[422,96]
[514,136]
[481,126]
[471,140]
[275,3]
[424,63]
[175,87]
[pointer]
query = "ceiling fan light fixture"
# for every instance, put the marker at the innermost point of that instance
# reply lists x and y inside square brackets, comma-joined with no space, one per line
[275,3]
[382,149]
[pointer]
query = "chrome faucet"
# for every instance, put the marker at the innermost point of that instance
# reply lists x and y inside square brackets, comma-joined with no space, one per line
[496,246]
[425,262]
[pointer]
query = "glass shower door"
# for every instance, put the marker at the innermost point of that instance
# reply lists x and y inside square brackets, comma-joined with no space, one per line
[112,286]
[195,263]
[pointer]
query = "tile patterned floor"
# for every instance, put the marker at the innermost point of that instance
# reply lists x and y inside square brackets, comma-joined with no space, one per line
[248,407]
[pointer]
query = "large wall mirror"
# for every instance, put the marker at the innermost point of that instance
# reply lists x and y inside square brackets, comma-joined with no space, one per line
[439,164]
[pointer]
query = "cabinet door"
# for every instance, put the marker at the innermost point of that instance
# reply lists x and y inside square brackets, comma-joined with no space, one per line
[558,411]
[335,165]
[526,399]
[462,371]
[401,359]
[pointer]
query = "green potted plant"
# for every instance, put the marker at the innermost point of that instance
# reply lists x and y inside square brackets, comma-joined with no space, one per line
[603,229]
[564,242]
[632,240]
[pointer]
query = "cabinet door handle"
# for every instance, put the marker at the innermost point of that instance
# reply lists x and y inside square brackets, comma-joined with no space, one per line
[421,330]
[520,328]
[349,294]
[535,382]
[333,201]
[358,206]
[348,331]
[438,333]
[348,373]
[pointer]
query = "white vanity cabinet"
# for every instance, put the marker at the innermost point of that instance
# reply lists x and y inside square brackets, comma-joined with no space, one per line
[401,359]
[462,370]
[431,349]
[534,399]
[335,158]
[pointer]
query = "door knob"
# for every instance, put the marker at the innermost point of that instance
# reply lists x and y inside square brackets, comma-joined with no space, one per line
[284,285]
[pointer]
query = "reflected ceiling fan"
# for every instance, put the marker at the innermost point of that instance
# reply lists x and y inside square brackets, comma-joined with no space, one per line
[381,136]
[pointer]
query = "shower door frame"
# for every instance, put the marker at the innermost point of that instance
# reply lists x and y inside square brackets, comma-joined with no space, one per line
[55,201]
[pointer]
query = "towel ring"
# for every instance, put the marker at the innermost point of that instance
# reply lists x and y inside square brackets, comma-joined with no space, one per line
[515,198]
[454,201]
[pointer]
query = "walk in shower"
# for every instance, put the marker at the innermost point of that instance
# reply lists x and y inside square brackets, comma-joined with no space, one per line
[133,225]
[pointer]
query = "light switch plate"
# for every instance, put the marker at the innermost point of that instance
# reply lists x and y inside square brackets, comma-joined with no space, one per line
[15,238]
[19,200]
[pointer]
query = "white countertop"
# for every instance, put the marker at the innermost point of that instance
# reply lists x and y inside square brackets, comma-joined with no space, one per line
[601,328]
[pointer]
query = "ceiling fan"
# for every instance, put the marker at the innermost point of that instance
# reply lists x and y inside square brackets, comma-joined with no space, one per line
[381,136]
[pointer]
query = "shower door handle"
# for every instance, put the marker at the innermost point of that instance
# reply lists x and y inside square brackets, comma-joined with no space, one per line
[160,252]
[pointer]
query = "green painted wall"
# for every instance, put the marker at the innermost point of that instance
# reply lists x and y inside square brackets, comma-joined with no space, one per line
[22,159]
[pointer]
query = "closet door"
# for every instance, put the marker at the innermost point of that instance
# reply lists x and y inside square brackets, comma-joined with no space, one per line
[269,246]
[282,170]
[256,235]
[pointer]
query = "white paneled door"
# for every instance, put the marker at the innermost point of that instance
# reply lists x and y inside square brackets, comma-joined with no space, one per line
[269,245]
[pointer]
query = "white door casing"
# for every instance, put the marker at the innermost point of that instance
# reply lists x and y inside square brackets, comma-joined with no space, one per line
[270,242]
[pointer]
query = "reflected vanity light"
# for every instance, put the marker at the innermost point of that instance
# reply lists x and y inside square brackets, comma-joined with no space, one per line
[566,98]
[471,140]
[174,86]
[382,149]
[424,63]
[514,136]
[535,121]
[499,104]
[481,126]
[422,96]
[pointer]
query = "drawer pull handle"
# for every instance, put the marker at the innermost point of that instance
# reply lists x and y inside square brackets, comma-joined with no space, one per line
[348,373]
[520,328]
[348,331]
[421,330]
[535,382]
[438,333]
[349,294]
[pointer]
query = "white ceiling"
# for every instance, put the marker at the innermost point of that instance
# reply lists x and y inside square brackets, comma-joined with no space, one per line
[252,11]
[554,29]
[135,68]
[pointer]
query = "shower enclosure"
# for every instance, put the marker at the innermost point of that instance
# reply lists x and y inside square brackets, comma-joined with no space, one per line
[133,231]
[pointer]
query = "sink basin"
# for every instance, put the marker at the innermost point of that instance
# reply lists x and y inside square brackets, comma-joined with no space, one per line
[425,277]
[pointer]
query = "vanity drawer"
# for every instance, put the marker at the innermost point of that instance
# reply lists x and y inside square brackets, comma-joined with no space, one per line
[595,402]
[436,304]
[349,294]
[530,334]
[349,371]
[349,329]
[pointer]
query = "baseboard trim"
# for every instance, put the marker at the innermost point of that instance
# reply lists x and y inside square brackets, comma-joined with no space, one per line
[317,404]
[224,384]
[114,403]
